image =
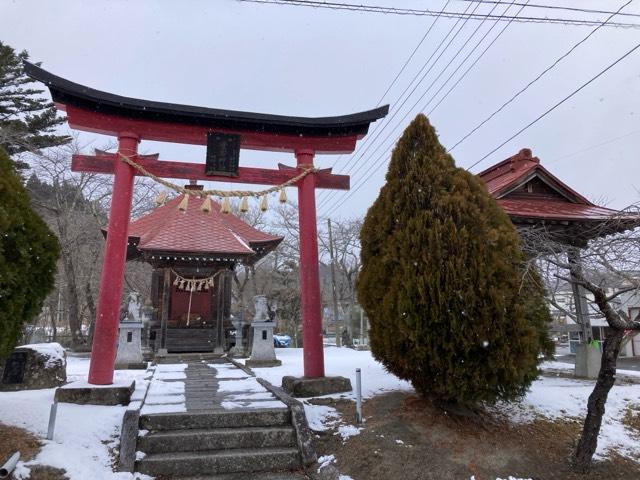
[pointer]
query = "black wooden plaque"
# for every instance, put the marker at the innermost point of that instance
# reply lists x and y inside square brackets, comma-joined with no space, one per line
[223,154]
[14,368]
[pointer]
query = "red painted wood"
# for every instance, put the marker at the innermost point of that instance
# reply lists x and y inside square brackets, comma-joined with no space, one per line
[103,353]
[195,171]
[309,272]
[197,135]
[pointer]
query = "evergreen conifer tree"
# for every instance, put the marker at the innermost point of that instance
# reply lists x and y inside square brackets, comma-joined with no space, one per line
[27,121]
[28,255]
[442,281]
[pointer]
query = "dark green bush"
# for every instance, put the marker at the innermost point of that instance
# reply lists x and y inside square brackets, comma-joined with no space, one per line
[442,280]
[28,255]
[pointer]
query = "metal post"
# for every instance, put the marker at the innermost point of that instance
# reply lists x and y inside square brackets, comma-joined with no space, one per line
[358,397]
[103,352]
[52,420]
[309,270]
[580,296]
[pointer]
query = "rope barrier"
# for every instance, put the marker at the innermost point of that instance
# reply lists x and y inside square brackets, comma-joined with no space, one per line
[217,193]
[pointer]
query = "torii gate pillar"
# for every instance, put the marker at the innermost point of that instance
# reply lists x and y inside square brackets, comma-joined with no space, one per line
[309,273]
[105,336]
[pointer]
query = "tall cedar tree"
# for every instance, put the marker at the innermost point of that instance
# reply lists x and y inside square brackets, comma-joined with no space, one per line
[27,121]
[441,281]
[28,255]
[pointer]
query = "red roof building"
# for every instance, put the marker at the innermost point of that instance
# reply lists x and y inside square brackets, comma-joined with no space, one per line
[193,253]
[203,236]
[533,196]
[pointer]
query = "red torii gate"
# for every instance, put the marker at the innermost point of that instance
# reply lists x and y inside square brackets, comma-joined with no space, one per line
[132,120]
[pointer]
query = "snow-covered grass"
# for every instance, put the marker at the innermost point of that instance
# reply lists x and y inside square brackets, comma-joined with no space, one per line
[549,397]
[338,361]
[566,398]
[84,434]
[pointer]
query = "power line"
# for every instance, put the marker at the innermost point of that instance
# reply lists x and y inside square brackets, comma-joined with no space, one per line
[380,159]
[370,140]
[404,66]
[591,147]
[432,13]
[412,54]
[538,77]
[551,109]
[466,72]
[556,7]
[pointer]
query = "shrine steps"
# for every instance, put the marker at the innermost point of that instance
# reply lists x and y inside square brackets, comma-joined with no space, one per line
[252,476]
[256,417]
[232,443]
[220,438]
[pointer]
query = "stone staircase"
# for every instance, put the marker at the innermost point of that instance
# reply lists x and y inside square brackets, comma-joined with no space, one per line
[221,444]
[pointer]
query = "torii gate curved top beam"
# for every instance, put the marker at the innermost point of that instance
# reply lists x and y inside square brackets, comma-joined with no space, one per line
[131,120]
[100,112]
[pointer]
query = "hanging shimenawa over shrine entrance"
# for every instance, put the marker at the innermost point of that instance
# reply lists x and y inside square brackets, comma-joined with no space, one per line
[225,133]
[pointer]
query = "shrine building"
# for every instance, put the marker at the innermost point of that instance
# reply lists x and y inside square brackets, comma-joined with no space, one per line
[534,198]
[193,249]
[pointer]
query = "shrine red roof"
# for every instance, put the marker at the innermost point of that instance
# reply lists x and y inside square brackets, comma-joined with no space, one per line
[167,229]
[524,188]
[531,195]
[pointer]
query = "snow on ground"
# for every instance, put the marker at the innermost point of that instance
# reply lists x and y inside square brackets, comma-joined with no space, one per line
[555,365]
[166,392]
[556,398]
[550,397]
[338,361]
[53,351]
[249,385]
[224,370]
[84,434]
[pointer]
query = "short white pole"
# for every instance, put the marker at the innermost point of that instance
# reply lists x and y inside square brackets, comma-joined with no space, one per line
[52,420]
[358,397]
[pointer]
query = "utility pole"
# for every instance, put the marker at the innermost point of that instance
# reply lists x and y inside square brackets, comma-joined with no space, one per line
[361,326]
[337,325]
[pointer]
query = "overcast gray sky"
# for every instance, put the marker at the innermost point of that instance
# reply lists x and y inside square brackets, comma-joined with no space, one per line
[317,62]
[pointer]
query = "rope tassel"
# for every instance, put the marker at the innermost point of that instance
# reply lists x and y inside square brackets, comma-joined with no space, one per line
[161,199]
[244,205]
[264,205]
[225,206]
[184,203]
[283,196]
[206,204]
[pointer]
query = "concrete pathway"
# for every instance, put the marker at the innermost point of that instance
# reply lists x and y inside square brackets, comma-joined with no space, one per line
[202,386]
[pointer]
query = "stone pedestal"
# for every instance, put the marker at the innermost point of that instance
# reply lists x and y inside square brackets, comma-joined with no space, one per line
[130,336]
[83,393]
[130,345]
[315,387]
[263,353]
[588,360]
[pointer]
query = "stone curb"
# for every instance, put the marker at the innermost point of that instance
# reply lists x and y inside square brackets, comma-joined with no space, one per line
[304,436]
[242,366]
[129,432]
